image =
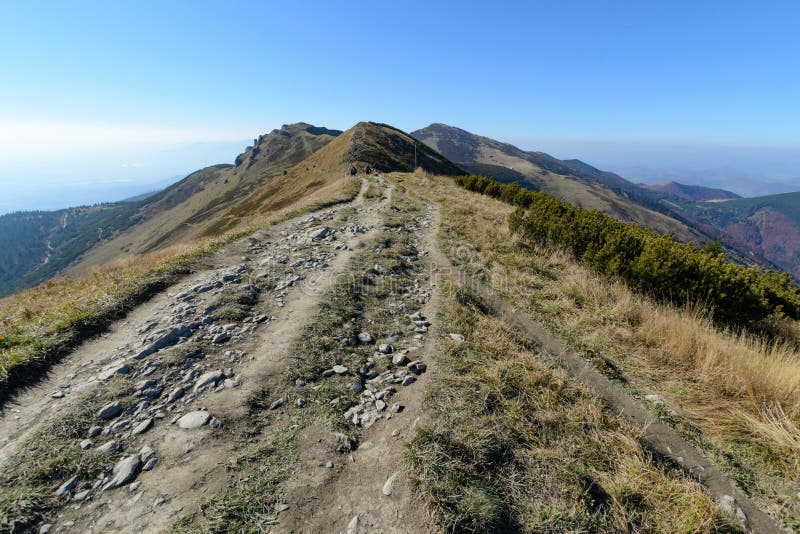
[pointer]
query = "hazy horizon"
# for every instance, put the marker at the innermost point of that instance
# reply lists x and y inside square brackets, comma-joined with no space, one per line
[747,171]
[702,93]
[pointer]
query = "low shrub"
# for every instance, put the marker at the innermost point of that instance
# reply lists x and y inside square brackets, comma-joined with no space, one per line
[652,263]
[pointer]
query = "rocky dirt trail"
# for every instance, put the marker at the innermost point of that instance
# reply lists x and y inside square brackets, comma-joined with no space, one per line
[96,360]
[193,364]
[367,490]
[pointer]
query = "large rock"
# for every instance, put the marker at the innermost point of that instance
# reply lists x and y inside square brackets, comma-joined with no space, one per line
[167,339]
[124,472]
[209,378]
[388,487]
[142,427]
[110,410]
[417,367]
[119,367]
[319,233]
[194,419]
[109,446]
[67,486]
[176,394]
[399,359]
[222,337]
[365,337]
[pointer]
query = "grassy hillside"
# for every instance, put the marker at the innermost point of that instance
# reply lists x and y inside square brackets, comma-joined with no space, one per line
[731,393]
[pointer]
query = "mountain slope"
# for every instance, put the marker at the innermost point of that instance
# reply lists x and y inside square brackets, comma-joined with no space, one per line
[194,206]
[238,355]
[380,146]
[297,161]
[573,180]
[695,193]
[763,226]
[37,245]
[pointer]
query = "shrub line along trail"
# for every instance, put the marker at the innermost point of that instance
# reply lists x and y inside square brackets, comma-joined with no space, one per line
[663,439]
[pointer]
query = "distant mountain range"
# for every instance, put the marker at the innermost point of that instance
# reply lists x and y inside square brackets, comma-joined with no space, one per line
[764,231]
[768,226]
[305,160]
[572,180]
[696,193]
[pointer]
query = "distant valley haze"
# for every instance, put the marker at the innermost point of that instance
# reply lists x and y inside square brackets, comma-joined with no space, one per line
[94,173]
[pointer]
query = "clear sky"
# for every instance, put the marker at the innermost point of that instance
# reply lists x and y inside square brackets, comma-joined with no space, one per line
[141,91]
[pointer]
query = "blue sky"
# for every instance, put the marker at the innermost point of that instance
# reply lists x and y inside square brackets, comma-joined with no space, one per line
[142,91]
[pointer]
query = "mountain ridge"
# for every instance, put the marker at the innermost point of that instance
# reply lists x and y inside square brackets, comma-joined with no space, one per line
[572,180]
[696,193]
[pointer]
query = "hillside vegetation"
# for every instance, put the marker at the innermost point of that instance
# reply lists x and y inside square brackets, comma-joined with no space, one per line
[732,393]
[652,263]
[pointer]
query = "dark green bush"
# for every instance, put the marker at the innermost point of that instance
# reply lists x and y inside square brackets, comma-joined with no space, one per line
[655,264]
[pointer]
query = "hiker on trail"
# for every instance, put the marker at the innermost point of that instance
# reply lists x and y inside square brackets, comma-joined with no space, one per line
[368,170]
[353,170]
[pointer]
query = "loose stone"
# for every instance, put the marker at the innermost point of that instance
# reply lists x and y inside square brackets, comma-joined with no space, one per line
[388,487]
[142,427]
[109,446]
[110,410]
[194,419]
[67,486]
[124,472]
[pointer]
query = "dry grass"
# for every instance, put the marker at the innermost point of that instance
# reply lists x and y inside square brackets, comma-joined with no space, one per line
[38,324]
[50,456]
[733,393]
[516,445]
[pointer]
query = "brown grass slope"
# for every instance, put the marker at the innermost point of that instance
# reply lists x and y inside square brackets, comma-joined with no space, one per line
[367,143]
[732,394]
[194,207]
